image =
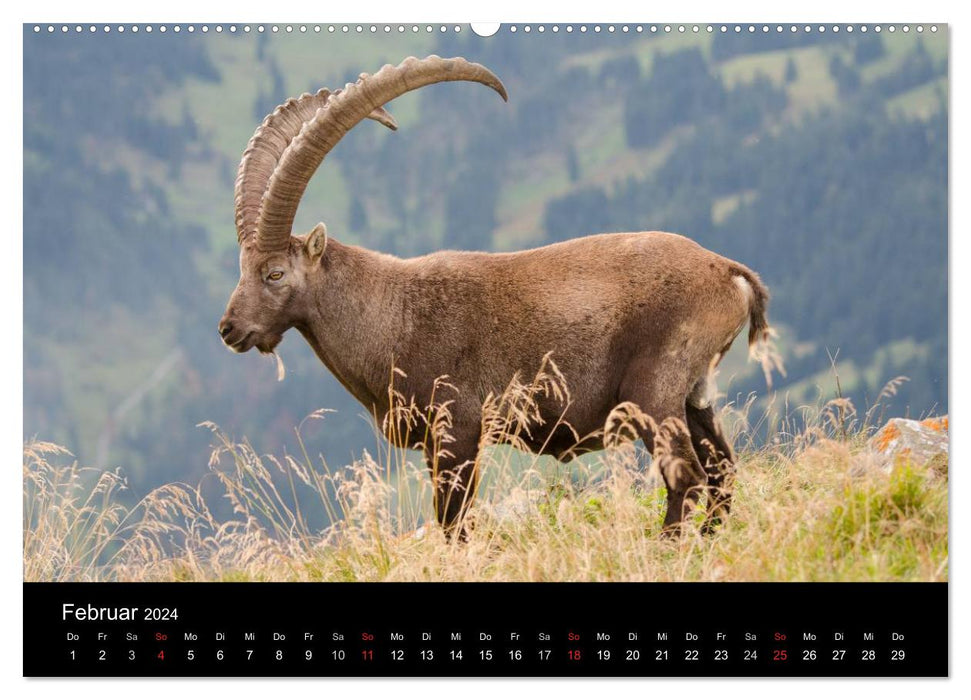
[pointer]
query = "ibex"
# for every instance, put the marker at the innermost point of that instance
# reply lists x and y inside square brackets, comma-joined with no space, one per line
[628,317]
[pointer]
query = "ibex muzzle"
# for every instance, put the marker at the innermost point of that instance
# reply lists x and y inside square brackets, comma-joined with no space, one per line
[271,293]
[628,317]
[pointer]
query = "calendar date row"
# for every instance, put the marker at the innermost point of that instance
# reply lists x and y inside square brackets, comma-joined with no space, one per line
[369,655]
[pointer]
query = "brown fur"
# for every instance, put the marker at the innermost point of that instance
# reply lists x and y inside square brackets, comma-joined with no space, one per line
[638,317]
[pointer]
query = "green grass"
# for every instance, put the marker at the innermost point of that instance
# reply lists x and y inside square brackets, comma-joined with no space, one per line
[772,64]
[922,102]
[658,42]
[723,207]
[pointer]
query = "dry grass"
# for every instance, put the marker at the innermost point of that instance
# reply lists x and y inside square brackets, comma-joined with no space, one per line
[809,506]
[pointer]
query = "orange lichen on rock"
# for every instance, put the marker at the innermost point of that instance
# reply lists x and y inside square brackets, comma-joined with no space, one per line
[939,424]
[883,439]
[924,443]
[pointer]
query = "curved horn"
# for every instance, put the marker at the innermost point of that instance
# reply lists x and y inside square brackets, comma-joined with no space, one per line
[339,115]
[267,145]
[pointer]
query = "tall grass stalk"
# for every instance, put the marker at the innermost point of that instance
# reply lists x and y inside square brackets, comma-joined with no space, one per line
[809,506]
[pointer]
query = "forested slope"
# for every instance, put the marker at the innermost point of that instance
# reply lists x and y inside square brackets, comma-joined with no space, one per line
[818,160]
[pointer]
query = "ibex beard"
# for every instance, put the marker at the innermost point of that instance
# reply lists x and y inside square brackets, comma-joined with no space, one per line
[639,318]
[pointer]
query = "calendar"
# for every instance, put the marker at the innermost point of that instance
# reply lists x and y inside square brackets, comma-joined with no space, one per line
[543,349]
[501,629]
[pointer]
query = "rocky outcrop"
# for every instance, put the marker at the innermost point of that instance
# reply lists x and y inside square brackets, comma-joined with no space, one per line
[923,443]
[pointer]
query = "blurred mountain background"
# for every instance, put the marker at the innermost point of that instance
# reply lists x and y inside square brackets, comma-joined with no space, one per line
[818,159]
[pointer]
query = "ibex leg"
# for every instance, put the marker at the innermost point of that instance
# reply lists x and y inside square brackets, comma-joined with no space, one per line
[716,458]
[455,480]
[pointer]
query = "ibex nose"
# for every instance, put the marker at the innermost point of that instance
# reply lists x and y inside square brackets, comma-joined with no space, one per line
[225,328]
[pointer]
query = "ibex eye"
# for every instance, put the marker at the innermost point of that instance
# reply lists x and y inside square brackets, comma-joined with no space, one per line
[275,275]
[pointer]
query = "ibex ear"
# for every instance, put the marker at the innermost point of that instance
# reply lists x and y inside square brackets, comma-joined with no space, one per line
[316,242]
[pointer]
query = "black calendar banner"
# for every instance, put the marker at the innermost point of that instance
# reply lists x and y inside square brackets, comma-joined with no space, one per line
[424,629]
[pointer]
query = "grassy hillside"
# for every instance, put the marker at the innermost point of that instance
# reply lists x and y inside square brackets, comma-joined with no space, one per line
[809,506]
